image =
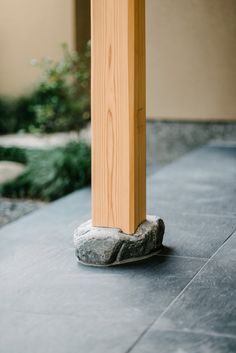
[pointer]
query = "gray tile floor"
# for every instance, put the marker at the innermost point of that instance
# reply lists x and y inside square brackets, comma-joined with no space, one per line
[180,301]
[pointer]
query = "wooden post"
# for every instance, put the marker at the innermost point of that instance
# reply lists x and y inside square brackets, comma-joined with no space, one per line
[118,114]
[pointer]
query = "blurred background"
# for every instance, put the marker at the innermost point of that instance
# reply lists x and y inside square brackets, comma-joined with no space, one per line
[45,94]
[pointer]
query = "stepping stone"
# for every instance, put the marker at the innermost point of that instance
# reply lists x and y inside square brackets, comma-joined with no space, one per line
[10,170]
[44,141]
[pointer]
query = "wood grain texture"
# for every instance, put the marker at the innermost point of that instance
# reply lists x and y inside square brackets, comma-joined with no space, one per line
[118,114]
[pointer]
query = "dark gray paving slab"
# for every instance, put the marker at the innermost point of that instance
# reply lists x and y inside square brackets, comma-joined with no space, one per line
[203,162]
[53,223]
[28,332]
[46,297]
[189,198]
[206,308]
[56,284]
[45,294]
[49,303]
[205,195]
[203,182]
[196,196]
[196,235]
[208,304]
[185,342]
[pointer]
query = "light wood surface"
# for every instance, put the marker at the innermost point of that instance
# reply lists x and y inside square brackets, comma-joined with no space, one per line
[118,114]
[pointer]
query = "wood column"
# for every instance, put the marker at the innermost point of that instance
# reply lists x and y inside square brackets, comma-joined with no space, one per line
[118,114]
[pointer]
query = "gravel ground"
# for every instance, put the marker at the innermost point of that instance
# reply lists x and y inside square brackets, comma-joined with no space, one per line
[169,140]
[166,141]
[11,209]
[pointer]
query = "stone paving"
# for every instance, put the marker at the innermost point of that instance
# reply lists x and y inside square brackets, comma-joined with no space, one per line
[181,301]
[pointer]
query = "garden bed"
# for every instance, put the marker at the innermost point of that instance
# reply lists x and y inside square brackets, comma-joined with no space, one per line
[50,173]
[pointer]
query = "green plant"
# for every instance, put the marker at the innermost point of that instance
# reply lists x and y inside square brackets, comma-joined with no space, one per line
[14,154]
[59,102]
[7,121]
[50,174]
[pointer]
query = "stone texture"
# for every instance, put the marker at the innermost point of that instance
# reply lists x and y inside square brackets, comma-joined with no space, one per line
[208,303]
[172,139]
[110,246]
[12,209]
[184,342]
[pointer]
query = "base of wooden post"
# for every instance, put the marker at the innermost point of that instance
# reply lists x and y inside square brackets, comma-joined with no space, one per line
[98,246]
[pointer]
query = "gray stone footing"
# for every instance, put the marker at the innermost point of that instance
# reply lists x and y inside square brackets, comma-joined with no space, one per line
[99,246]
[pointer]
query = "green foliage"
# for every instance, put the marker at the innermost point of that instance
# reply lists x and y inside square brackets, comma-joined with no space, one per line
[51,174]
[13,154]
[22,113]
[7,121]
[15,114]
[59,102]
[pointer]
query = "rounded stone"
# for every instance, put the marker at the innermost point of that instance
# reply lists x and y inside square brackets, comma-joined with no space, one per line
[100,246]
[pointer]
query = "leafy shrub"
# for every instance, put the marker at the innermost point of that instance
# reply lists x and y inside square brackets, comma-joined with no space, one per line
[51,174]
[22,113]
[7,120]
[16,114]
[59,102]
[13,154]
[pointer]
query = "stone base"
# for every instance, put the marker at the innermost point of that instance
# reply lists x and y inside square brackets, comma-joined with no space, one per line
[99,246]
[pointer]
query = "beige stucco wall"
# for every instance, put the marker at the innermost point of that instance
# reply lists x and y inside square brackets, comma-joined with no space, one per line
[191,51]
[191,59]
[31,29]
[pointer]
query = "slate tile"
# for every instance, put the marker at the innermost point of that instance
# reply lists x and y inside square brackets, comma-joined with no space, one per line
[45,293]
[208,160]
[77,308]
[54,224]
[29,332]
[57,285]
[184,342]
[195,235]
[208,303]
[199,205]
[196,195]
